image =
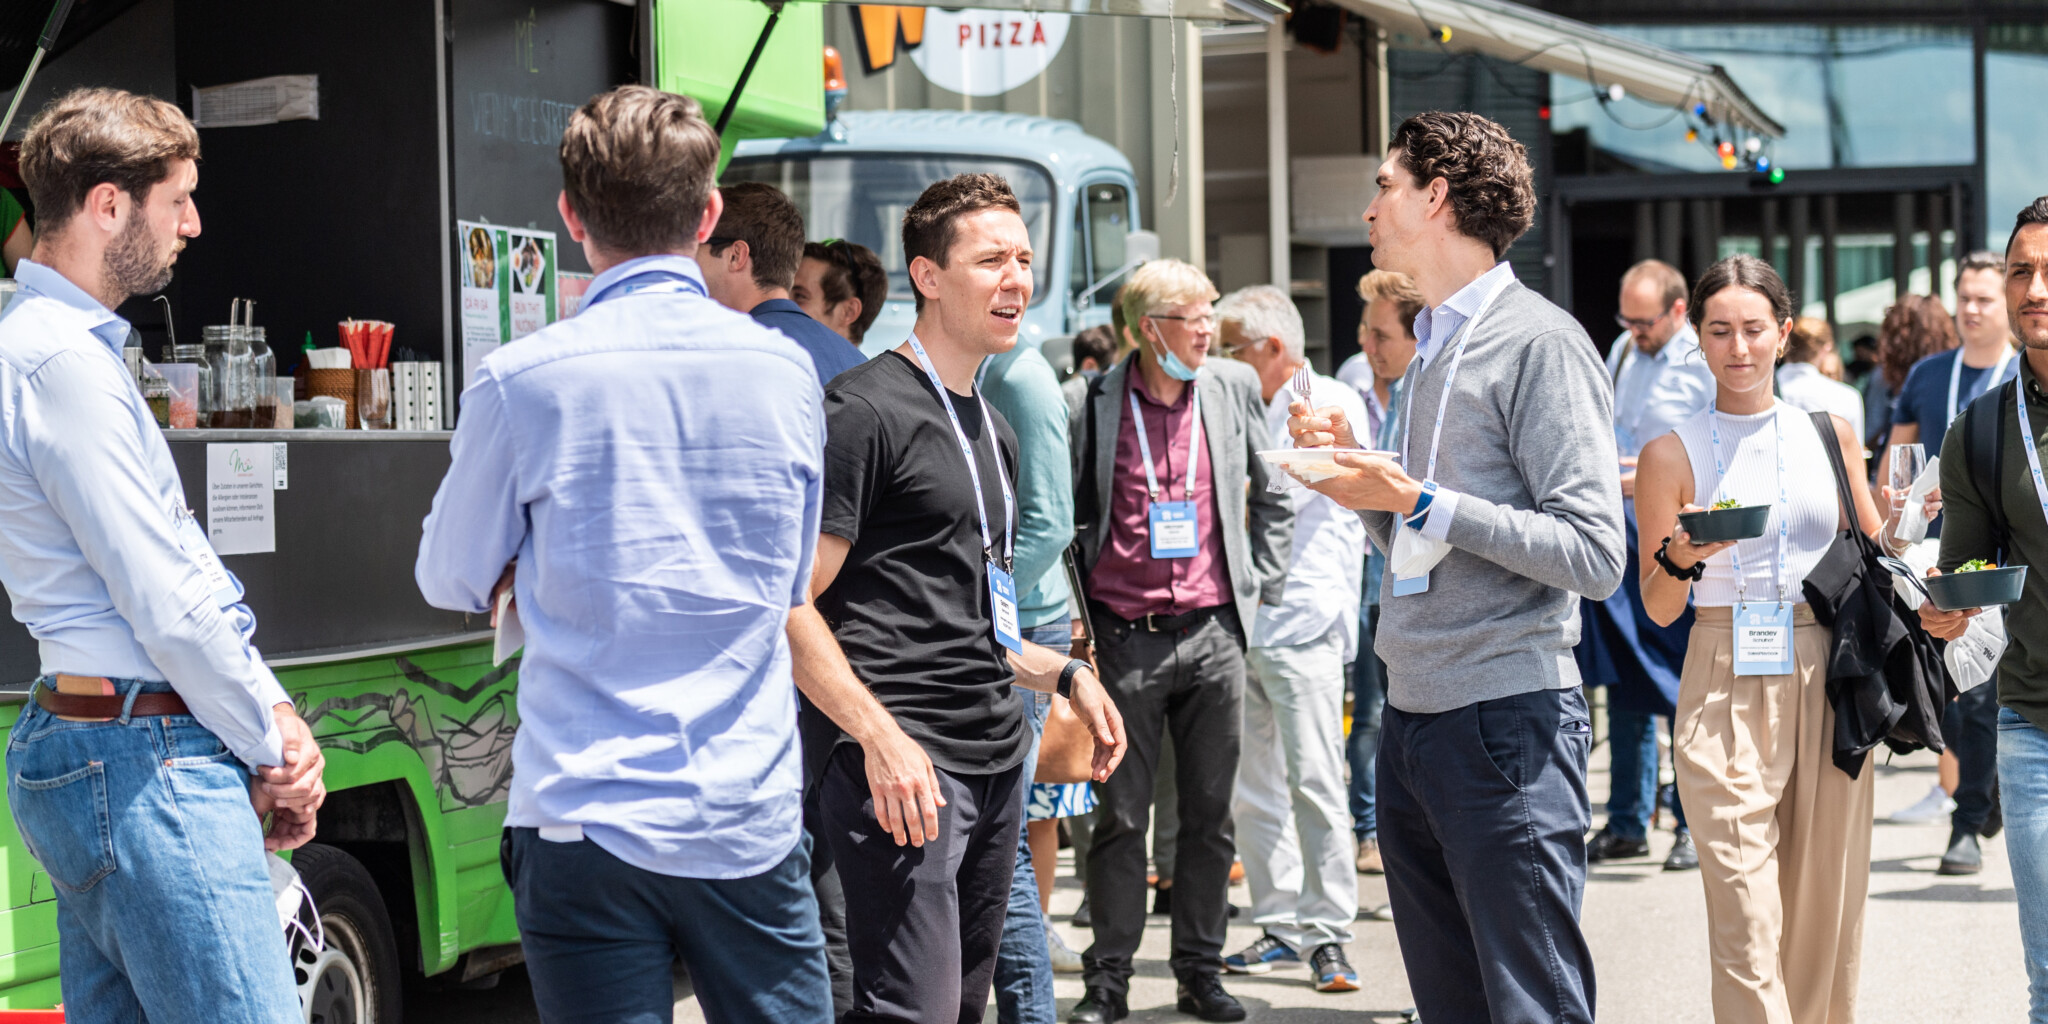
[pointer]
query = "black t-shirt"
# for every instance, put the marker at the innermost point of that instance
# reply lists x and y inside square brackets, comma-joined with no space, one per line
[910,606]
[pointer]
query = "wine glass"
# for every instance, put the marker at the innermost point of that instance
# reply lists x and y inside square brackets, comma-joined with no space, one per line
[1907,461]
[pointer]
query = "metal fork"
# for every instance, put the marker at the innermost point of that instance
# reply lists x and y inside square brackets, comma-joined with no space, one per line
[1301,385]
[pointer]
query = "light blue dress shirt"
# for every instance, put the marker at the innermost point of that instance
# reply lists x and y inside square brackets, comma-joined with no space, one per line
[1654,394]
[90,505]
[1434,328]
[655,464]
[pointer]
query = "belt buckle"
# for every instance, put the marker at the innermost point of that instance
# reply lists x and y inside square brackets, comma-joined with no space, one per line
[1151,623]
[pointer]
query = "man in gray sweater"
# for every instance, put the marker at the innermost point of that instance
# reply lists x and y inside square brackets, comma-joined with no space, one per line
[1503,510]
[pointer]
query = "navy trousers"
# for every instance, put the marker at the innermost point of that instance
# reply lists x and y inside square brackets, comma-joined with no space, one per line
[1483,815]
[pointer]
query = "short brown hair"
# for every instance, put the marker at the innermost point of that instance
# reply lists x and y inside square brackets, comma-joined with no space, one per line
[89,137]
[637,167]
[1670,283]
[929,224]
[1398,288]
[852,271]
[1915,327]
[758,214]
[1811,338]
[1983,259]
[1748,273]
[1492,191]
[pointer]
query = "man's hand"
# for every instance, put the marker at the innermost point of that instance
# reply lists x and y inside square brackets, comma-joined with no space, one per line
[1326,427]
[1943,625]
[904,785]
[297,786]
[1370,482]
[283,828]
[504,583]
[1105,723]
[1628,476]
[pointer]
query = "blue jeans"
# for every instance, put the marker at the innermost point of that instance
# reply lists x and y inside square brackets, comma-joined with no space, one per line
[1361,751]
[1632,774]
[1024,961]
[2023,783]
[601,936]
[164,907]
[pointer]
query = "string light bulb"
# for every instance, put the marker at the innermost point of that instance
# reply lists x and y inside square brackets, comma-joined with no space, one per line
[1777,175]
[1692,135]
[1699,110]
[1726,149]
[1615,93]
[1727,161]
[1443,33]
[1754,144]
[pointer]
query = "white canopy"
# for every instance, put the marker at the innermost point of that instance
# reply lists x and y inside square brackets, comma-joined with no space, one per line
[1546,42]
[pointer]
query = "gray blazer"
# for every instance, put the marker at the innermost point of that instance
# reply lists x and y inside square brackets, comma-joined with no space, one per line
[1258,525]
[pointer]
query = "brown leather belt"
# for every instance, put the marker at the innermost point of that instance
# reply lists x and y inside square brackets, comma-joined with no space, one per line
[98,702]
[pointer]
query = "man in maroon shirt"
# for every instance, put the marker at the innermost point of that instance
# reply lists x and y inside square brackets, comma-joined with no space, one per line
[1173,578]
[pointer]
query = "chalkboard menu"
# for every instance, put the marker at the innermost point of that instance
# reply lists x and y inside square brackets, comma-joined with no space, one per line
[519,68]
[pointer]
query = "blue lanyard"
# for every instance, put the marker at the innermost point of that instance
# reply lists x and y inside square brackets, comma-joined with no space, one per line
[967,449]
[1194,443]
[2019,400]
[1784,500]
[652,282]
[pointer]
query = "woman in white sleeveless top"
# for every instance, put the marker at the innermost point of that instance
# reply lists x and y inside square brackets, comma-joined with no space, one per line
[1784,835]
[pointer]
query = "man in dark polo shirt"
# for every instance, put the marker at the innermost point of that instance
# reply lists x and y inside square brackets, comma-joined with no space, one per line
[1174,578]
[922,795]
[750,264]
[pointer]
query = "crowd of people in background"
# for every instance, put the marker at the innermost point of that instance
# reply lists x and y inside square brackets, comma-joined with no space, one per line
[816,683]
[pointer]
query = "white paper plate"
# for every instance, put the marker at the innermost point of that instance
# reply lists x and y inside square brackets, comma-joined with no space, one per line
[1314,464]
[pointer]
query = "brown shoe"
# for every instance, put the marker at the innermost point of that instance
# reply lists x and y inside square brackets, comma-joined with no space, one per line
[1369,862]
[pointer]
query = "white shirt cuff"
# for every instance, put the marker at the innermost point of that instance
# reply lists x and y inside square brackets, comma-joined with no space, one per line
[1436,523]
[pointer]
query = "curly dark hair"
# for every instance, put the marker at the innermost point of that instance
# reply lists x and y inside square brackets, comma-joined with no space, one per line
[1915,327]
[1492,191]
[852,271]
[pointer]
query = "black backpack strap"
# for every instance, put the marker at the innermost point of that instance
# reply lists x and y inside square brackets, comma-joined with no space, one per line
[1825,424]
[1984,455]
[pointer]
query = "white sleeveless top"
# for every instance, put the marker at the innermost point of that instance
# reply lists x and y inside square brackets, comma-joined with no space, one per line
[1749,450]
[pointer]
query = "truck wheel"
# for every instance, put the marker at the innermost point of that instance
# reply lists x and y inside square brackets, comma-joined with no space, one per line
[356,981]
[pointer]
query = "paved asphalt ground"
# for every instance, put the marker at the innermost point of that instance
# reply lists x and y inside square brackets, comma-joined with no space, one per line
[1935,950]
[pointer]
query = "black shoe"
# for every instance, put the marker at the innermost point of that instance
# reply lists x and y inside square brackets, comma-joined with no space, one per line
[1203,996]
[1995,821]
[1082,918]
[1963,856]
[1099,1006]
[1605,845]
[1684,856]
[1162,900]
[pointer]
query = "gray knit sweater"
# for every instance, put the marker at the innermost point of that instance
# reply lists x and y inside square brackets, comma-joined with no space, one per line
[1528,444]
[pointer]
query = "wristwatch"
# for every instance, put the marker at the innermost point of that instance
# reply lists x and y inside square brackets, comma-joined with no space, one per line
[1691,575]
[1066,685]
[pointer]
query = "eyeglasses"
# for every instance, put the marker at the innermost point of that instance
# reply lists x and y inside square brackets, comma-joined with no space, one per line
[1195,323]
[1642,325]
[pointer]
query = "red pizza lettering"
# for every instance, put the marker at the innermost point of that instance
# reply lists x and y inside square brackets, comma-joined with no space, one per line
[1038,33]
[1016,33]
[966,33]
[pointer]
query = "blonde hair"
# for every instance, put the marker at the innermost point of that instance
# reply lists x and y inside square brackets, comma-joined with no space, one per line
[1162,283]
[1389,285]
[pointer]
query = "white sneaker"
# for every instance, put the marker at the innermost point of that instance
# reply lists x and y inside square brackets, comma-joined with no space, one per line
[1932,807]
[1064,960]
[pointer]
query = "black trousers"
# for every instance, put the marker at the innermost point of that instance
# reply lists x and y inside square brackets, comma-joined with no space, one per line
[1188,683]
[923,922]
[1970,725]
[1483,816]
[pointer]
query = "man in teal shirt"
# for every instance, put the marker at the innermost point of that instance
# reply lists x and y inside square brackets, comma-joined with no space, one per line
[1023,387]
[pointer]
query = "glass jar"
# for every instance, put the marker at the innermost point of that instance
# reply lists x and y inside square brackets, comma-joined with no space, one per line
[203,397]
[157,392]
[234,378]
[266,372]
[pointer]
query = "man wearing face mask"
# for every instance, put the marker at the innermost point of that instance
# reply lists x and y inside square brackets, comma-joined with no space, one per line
[1176,556]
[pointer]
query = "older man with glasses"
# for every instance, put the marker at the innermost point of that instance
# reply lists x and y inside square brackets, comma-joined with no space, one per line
[1660,381]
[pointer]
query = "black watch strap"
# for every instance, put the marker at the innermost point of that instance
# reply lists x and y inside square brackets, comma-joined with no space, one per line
[1066,685]
[1691,575]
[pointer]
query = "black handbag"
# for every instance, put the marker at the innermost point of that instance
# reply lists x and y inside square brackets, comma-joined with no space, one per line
[1885,677]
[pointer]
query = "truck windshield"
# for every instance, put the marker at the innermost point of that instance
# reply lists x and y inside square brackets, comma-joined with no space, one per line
[862,199]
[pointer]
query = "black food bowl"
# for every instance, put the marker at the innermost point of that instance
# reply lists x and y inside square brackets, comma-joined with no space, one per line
[1716,525]
[1984,588]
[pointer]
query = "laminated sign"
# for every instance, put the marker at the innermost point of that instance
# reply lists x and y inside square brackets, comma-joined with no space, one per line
[508,283]
[240,505]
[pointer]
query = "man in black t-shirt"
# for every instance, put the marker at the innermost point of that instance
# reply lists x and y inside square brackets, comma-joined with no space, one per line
[922,795]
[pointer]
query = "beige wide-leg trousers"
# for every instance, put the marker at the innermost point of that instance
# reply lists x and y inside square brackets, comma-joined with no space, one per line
[1783,834]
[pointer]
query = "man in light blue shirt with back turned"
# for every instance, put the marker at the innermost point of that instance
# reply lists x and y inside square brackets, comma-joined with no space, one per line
[647,478]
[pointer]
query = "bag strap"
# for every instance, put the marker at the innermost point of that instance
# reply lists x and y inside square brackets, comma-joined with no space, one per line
[1984,456]
[1825,424]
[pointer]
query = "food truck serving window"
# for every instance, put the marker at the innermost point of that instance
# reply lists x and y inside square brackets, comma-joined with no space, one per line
[862,199]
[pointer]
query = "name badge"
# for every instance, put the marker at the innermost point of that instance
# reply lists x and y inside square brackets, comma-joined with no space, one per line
[1172,526]
[1002,600]
[227,590]
[1409,586]
[1763,639]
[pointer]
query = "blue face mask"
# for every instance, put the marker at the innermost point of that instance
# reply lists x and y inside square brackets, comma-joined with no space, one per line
[1171,364]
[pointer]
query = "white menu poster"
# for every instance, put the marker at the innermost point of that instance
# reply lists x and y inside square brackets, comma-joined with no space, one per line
[240,506]
[508,284]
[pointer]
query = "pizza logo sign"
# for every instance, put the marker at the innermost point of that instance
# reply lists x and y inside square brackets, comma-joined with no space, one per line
[971,52]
